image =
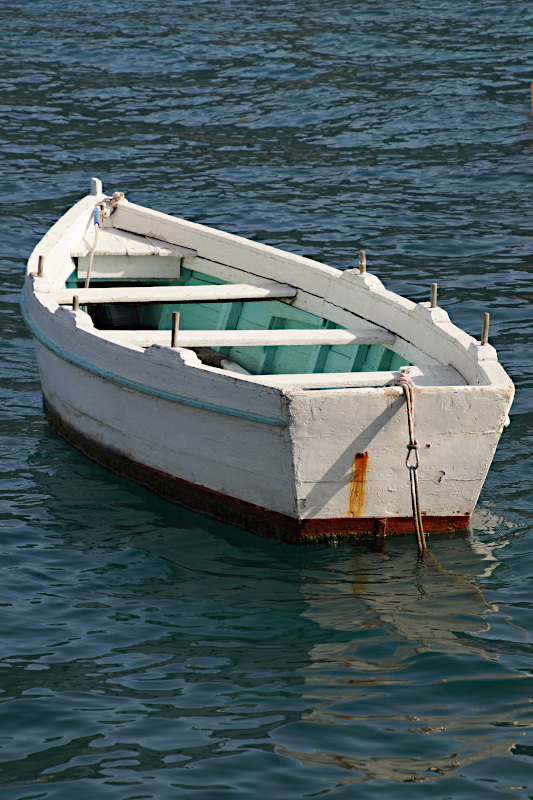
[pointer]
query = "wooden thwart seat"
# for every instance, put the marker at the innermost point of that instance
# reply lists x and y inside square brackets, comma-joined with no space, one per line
[116,243]
[121,255]
[434,375]
[253,338]
[218,293]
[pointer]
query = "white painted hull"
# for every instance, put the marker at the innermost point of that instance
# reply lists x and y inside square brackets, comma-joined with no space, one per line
[267,456]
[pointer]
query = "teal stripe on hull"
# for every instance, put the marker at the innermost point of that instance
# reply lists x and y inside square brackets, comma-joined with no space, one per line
[139,387]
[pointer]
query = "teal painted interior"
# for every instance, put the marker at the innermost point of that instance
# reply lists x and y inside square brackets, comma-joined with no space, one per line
[263,315]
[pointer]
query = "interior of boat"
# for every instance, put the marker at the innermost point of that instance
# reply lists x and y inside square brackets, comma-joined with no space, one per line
[137,284]
[237,315]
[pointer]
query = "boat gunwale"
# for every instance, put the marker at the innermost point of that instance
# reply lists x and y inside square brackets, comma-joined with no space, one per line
[483,356]
[260,381]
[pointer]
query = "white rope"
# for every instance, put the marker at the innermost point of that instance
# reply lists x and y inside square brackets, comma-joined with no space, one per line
[93,248]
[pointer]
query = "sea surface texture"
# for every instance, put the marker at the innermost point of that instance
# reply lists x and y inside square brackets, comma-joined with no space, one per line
[147,652]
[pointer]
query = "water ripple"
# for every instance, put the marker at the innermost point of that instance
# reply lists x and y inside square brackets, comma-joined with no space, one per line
[146,651]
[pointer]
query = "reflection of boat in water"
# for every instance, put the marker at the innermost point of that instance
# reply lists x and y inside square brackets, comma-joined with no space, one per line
[409,769]
[437,604]
[278,650]
[403,657]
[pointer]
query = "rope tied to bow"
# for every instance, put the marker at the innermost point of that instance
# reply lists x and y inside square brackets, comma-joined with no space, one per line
[96,220]
[412,465]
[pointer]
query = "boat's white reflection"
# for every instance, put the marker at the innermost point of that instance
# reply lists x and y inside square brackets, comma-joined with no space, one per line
[378,652]
[434,605]
[398,630]
[405,770]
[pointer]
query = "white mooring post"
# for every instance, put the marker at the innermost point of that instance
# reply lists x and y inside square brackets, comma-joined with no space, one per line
[96,186]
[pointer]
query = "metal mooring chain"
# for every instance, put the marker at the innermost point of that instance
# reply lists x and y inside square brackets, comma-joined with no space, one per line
[413,447]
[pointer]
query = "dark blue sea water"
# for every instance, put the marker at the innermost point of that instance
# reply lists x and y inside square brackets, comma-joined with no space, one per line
[147,652]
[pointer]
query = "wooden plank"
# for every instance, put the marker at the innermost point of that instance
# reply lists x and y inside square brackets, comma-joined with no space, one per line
[257,338]
[420,376]
[113,242]
[176,294]
[131,268]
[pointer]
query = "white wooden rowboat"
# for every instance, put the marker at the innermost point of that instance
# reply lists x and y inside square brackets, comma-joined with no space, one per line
[276,409]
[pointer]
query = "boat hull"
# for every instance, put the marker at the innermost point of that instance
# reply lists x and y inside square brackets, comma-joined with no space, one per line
[330,462]
[256,519]
[293,466]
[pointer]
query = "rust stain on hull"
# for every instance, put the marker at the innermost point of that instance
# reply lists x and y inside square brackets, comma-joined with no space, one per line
[357,484]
